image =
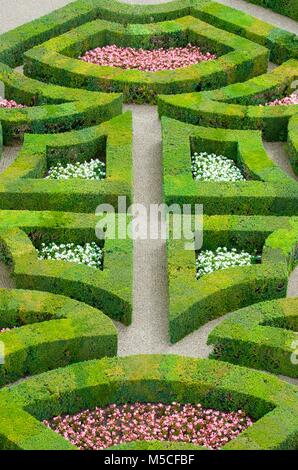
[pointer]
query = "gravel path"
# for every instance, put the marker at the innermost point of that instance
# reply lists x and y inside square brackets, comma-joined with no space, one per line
[148,333]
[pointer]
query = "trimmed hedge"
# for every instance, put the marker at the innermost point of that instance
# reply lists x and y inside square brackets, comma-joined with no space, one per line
[293,142]
[194,302]
[268,400]
[22,184]
[109,290]
[268,192]
[52,331]
[262,336]
[284,7]
[56,60]
[281,43]
[65,114]
[220,108]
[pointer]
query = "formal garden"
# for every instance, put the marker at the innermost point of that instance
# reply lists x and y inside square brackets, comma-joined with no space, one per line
[224,86]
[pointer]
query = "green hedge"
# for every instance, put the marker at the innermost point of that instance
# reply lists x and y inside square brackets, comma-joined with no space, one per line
[284,7]
[272,403]
[293,142]
[281,43]
[52,331]
[194,302]
[22,185]
[269,191]
[109,289]
[56,60]
[220,108]
[262,336]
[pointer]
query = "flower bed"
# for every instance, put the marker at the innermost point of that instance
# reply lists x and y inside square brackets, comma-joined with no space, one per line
[94,169]
[147,60]
[89,253]
[4,330]
[292,99]
[214,167]
[116,424]
[9,104]
[209,261]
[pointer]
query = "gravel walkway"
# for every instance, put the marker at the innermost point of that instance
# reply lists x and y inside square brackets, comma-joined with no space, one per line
[148,333]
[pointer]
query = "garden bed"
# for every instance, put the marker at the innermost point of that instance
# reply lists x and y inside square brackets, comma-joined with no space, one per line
[102,428]
[94,169]
[89,254]
[145,59]
[285,101]
[209,261]
[10,104]
[212,167]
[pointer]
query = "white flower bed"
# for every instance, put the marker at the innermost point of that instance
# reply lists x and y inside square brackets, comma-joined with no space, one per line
[91,170]
[89,254]
[209,261]
[214,167]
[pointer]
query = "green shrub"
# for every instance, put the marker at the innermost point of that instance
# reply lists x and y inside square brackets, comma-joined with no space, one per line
[262,336]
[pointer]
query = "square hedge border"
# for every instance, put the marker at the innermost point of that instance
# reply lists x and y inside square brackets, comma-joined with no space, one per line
[194,302]
[22,184]
[270,192]
[109,290]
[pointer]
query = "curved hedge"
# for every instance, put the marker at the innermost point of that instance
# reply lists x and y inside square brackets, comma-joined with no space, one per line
[52,331]
[220,108]
[281,43]
[284,7]
[56,60]
[268,190]
[194,302]
[22,185]
[109,289]
[269,401]
[262,336]
[51,108]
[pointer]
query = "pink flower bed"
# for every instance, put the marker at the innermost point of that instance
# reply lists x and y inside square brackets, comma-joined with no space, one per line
[292,99]
[103,427]
[146,60]
[4,330]
[9,104]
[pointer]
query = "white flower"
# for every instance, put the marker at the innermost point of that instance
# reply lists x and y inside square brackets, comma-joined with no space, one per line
[91,170]
[89,253]
[209,261]
[214,167]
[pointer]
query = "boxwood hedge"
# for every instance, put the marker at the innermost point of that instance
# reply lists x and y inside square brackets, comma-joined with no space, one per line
[50,331]
[284,7]
[56,60]
[262,336]
[237,106]
[108,289]
[22,185]
[268,190]
[194,302]
[272,403]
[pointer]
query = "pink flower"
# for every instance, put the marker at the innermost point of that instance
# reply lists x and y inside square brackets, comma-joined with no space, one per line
[115,424]
[292,99]
[9,104]
[146,60]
